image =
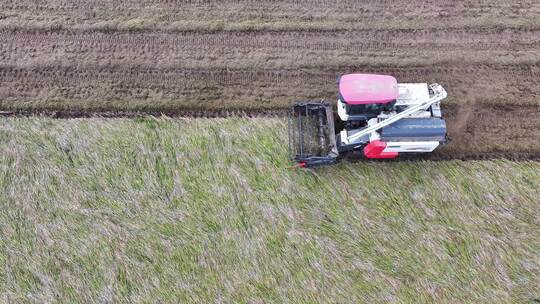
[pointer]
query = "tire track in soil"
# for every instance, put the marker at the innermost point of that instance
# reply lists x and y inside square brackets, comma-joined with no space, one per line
[68,74]
[359,40]
[361,10]
[94,87]
[492,131]
[264,50]
[459,124]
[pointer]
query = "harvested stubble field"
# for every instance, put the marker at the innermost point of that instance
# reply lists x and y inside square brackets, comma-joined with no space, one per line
[247,55]
[207,210]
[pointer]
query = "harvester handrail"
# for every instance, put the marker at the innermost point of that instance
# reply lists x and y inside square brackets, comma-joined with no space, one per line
[440,94]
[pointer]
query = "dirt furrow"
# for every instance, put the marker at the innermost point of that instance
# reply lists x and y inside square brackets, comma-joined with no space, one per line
[56,74]
[265,15]
[492,131]
[439,8]
[267,50]
[361,40]
[91,88]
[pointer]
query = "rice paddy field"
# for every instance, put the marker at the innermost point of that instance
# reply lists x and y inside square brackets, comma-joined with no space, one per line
[143,154]
[209,210]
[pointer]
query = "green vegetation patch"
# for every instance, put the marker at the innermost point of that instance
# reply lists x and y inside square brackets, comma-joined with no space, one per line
[209,210]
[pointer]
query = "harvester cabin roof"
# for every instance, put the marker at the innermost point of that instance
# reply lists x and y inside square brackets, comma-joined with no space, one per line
[357,89]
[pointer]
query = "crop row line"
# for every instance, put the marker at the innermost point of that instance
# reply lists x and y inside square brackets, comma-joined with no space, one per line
[278,40]
[359,6]
[224,76]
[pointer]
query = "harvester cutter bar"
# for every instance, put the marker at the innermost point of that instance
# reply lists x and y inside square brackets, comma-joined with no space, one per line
[312,138]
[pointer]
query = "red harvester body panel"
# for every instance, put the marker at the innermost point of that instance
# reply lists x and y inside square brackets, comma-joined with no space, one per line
[375,150]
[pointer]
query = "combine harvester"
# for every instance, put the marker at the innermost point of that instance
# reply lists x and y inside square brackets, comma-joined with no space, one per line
[375,114]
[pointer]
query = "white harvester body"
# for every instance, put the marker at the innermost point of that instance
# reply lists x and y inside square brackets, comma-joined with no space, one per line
[380,117]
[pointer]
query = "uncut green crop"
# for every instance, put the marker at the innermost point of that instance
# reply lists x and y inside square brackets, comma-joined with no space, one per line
[208,210]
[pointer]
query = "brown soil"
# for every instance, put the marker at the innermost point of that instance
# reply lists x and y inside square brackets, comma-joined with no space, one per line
[481,131]
[152,89]
[276,14]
